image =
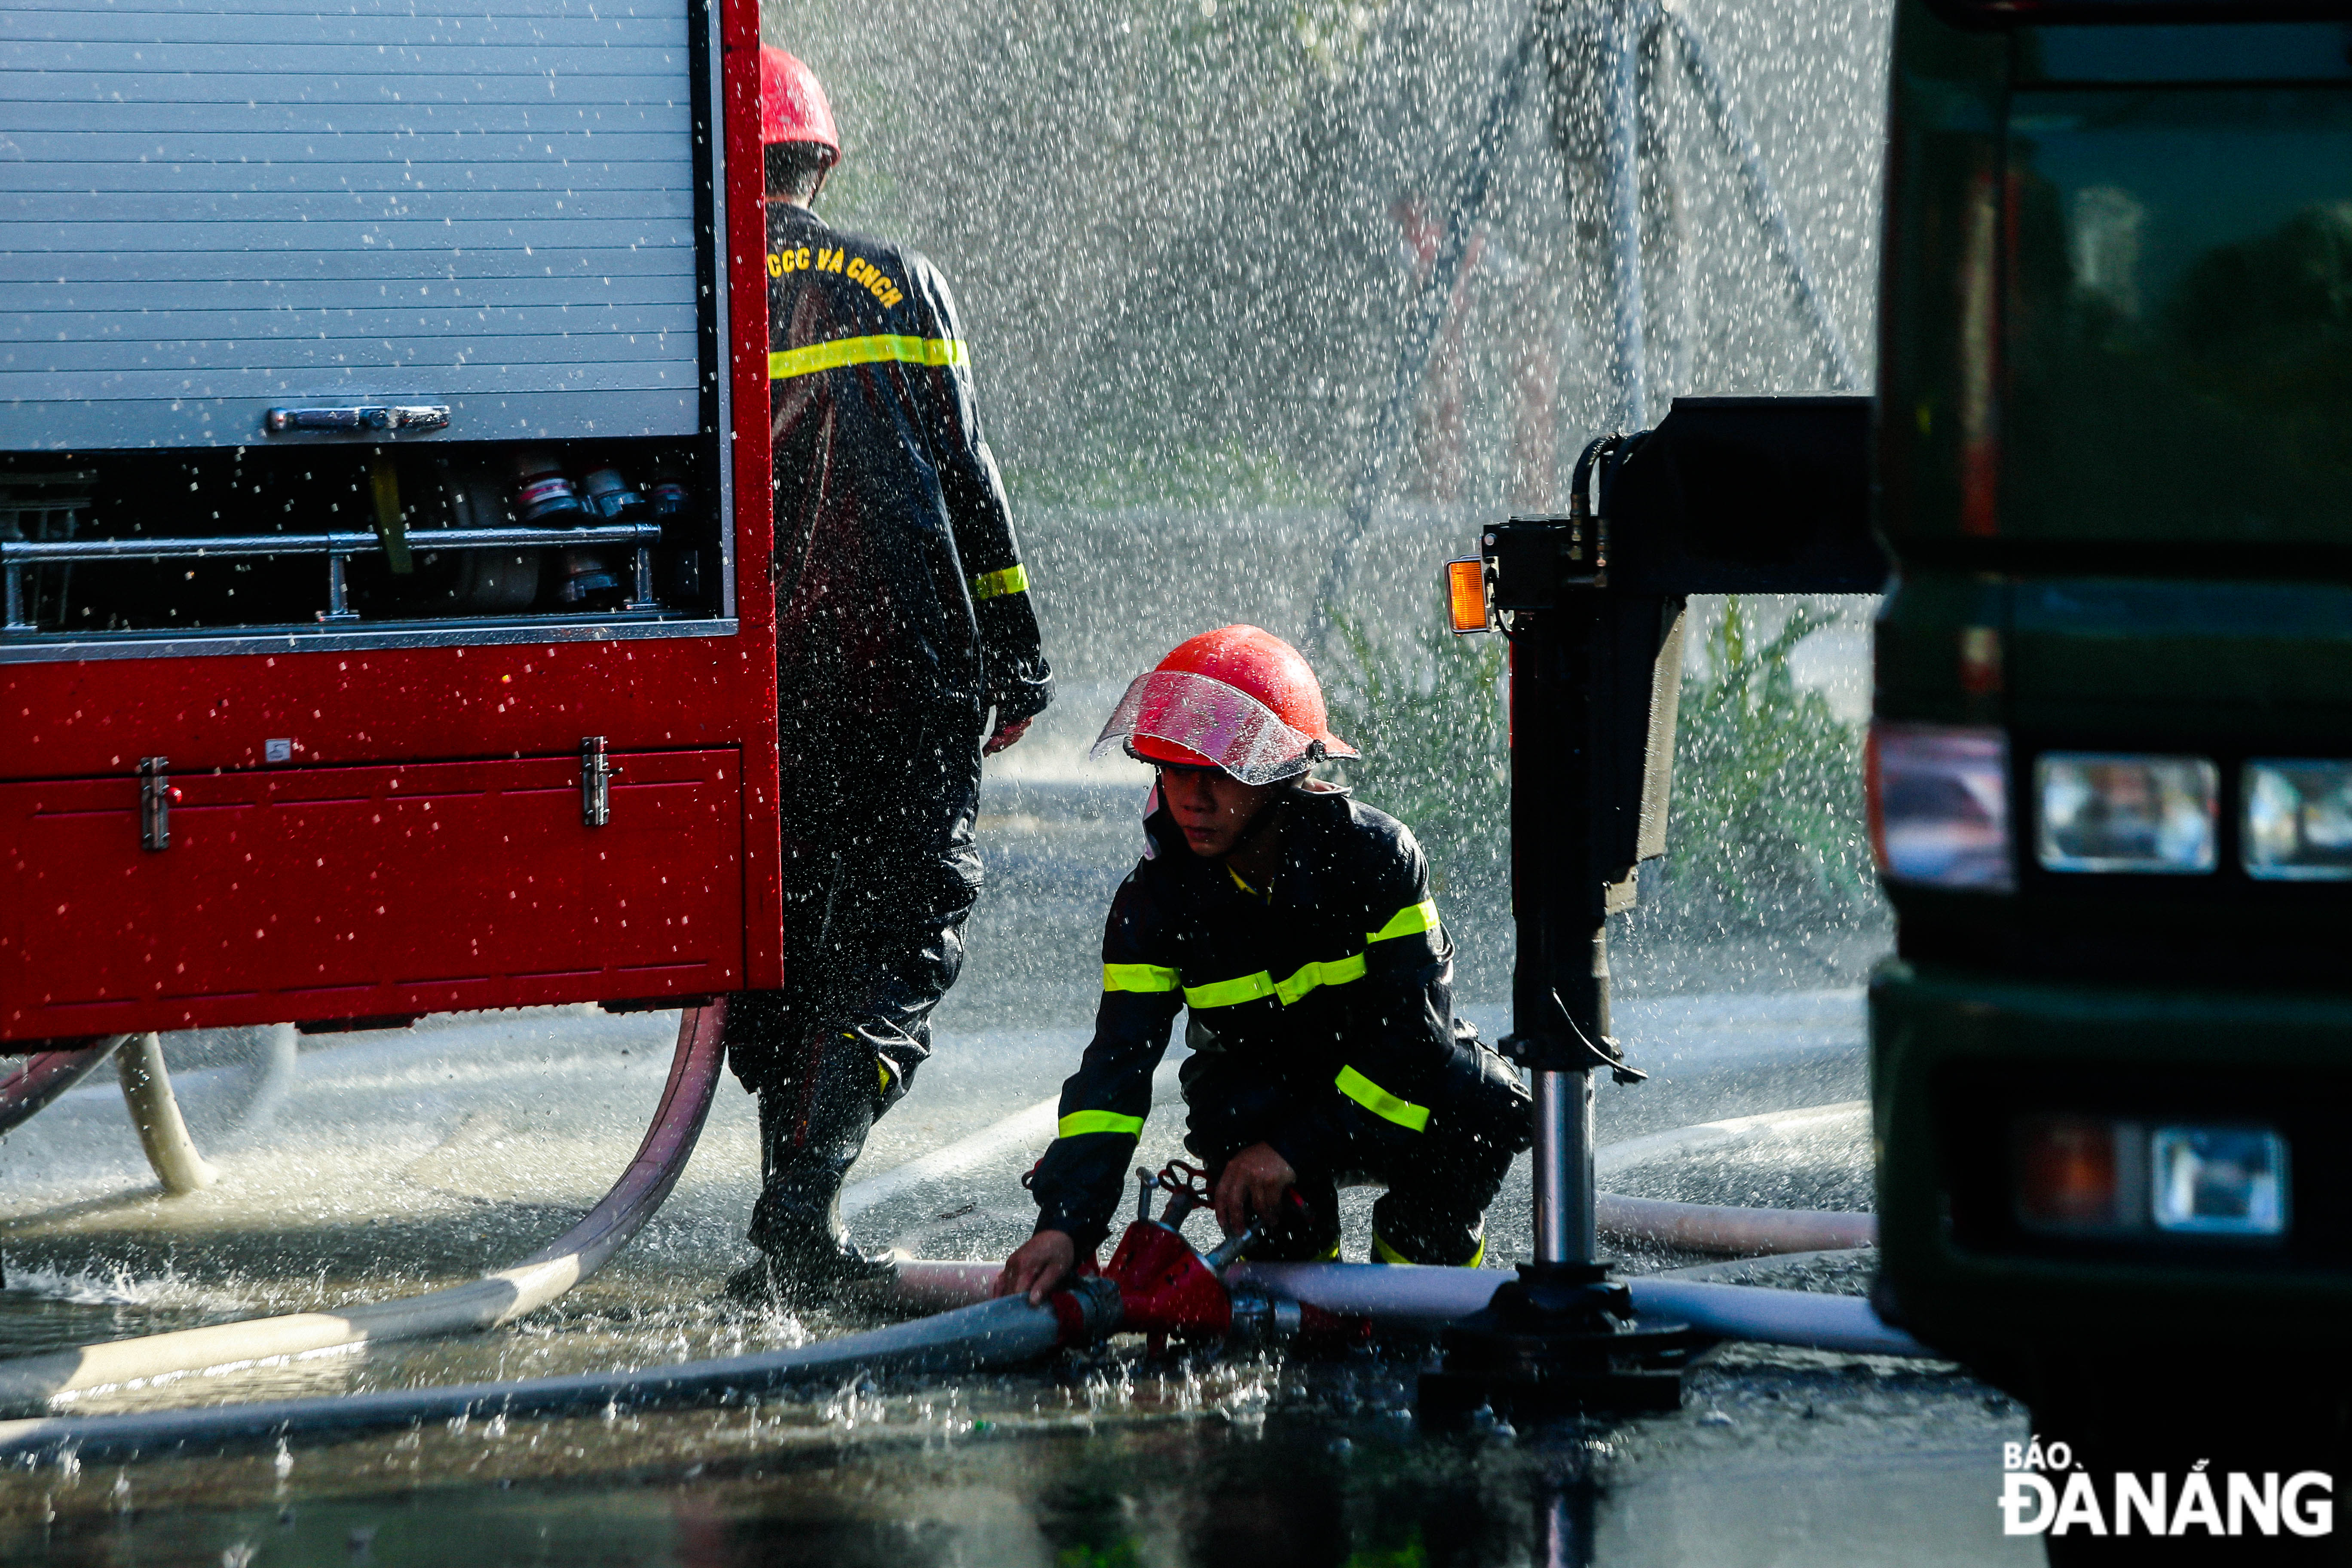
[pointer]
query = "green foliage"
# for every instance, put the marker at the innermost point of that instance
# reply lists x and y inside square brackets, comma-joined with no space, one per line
[1766,821]
[1118,1554]
[1426,709]
[1767,815]
[1413,1554]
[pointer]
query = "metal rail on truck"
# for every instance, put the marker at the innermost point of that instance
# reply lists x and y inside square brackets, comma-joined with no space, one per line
[17,555]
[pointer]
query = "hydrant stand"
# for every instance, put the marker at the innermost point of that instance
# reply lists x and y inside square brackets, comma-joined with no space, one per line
[1766,495]
[1563,1338]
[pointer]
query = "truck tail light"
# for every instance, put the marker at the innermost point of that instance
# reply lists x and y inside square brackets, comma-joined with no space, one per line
[2097,1175]
[2114,811]
[2073,1173]
[1939,805]
[2298,821]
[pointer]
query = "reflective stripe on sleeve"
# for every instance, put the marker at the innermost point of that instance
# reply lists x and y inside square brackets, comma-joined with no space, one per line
[1138,977]
[1230,993]
[1013,579]
[1381,1102]
[866,351]
[1250,987]
[1409,921]
[1332,971]
[1079,1122]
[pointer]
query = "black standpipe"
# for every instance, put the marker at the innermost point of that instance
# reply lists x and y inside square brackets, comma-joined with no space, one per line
[1562,1337]
[1726,496]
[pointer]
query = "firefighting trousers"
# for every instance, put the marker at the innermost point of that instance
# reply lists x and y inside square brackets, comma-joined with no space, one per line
[1440,1179]
[879,874]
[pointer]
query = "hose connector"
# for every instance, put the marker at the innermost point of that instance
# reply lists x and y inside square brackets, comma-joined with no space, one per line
[1088,1309]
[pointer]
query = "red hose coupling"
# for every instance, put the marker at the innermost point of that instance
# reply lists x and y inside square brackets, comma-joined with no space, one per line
[1088,1311]
[1165,1287]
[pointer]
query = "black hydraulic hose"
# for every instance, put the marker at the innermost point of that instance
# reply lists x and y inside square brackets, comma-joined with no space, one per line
[1002,1332]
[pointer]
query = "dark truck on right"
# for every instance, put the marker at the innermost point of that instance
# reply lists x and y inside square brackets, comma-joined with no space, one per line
[2110,774]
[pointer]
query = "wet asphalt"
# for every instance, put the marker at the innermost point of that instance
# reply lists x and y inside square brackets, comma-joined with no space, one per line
[397,1162]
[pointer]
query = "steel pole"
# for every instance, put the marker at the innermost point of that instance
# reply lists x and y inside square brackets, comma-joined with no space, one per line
[1562,1160]
[1425,317]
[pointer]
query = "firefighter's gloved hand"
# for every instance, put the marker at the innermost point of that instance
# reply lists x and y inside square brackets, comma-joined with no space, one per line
[1005,736]
[1037,1267]
[1252,1186]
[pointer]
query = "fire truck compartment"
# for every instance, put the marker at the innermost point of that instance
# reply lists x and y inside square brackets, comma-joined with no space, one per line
[221,208]
[375,325]
[359,891]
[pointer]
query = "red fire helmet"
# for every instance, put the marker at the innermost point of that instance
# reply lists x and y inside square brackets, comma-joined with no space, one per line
[791,104]
[1236,698]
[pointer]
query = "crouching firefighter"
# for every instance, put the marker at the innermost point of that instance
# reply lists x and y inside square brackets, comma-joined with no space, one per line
[903,624]
[1294,925]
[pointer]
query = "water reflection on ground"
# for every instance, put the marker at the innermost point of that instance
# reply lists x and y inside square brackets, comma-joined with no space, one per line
[1777,1456]
[398,1163]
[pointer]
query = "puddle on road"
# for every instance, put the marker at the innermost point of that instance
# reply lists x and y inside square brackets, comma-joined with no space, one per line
[404,1162]
[1113,1462]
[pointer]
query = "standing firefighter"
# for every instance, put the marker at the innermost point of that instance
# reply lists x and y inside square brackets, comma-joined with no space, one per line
[1296,925]
[904,620]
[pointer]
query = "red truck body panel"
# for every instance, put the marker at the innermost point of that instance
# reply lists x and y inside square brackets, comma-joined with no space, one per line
[423,845]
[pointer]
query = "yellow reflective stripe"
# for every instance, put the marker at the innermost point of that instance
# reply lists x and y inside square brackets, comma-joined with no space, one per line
[1337,972]
[1411,921]
[1227,993]
[1138,977]
[1381,1102]
[1250,987]
[866,351]
[1079,1122]
[1332,1256]
[1013,579]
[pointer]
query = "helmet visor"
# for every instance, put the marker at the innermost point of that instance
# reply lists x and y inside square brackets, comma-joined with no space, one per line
[1220,722]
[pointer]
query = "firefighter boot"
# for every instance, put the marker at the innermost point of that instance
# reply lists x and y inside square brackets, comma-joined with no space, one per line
[811,1126]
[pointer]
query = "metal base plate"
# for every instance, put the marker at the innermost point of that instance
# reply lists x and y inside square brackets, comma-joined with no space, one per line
[1559,1342]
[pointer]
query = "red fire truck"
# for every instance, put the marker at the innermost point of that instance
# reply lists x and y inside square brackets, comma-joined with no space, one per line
[383,511]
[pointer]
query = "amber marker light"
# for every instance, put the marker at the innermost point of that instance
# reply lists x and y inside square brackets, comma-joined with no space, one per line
[1466,594]
[2069,1175]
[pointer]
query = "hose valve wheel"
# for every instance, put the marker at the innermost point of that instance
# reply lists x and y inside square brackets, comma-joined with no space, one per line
[1187,1186]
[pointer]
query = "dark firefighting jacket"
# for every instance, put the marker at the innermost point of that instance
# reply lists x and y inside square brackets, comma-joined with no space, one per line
[899,586]
[1321,1011]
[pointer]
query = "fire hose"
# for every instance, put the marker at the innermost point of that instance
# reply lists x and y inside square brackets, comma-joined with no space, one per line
[484,1303]
[1155,1284]
[45,1074]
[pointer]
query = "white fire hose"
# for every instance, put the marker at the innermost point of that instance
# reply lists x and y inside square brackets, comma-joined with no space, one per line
[484,1303]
